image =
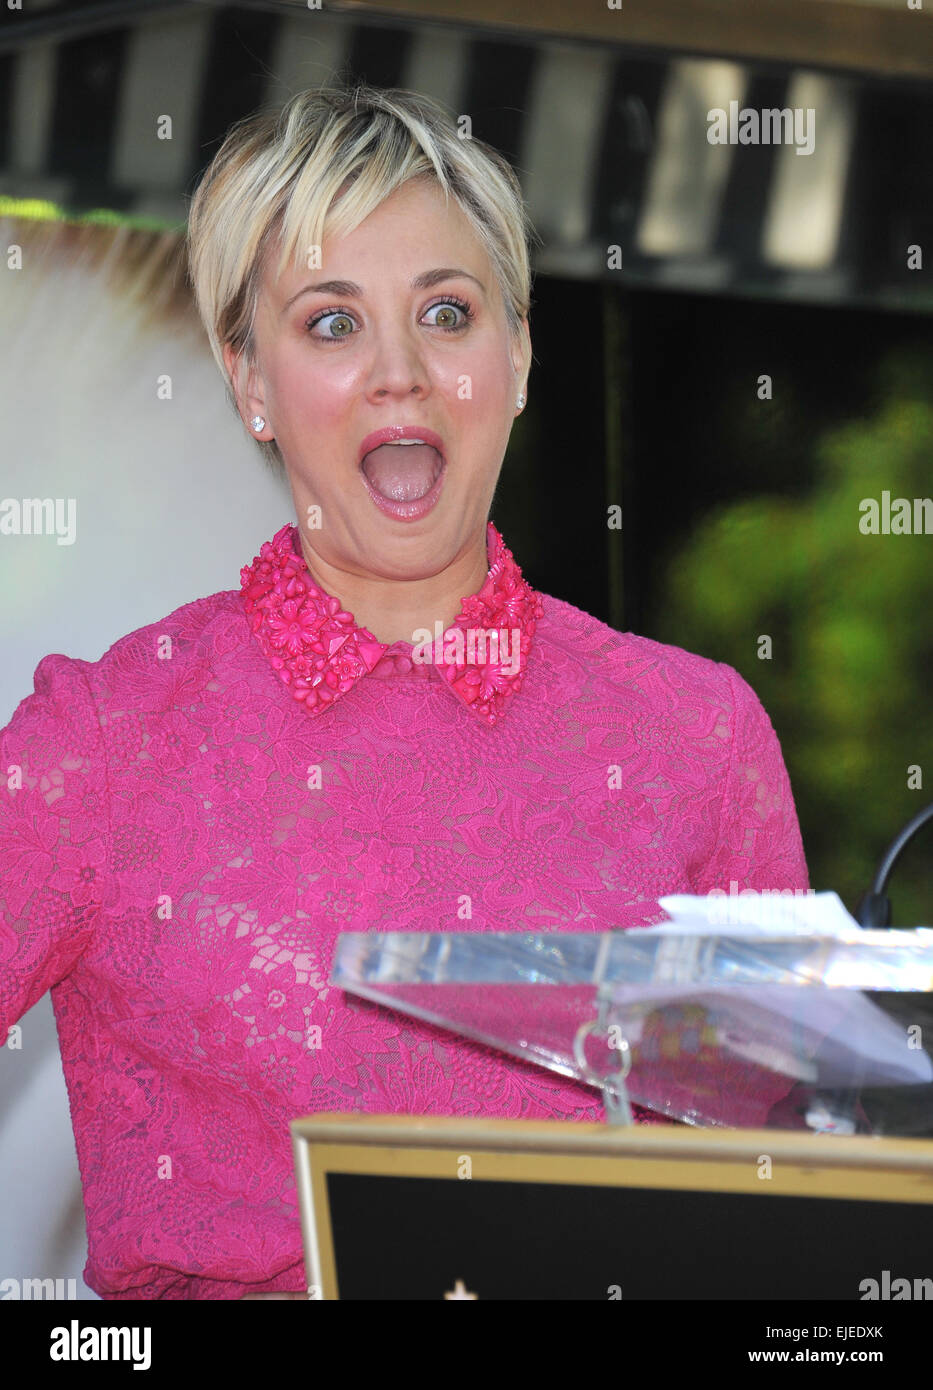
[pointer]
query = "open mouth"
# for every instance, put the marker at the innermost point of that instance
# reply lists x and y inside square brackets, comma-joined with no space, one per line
[402,472]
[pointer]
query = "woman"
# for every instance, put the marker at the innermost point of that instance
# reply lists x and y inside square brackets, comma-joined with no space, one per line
[385,726]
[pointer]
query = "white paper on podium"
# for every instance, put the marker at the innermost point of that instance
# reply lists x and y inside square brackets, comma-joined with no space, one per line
[742,914]
[874,1044]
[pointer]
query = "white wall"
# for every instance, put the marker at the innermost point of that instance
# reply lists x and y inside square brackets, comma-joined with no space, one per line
[172,499]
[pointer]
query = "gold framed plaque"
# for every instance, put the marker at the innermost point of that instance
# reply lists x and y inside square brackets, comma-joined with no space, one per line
[415,1207]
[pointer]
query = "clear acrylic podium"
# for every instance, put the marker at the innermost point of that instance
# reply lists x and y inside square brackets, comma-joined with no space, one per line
[712,1027]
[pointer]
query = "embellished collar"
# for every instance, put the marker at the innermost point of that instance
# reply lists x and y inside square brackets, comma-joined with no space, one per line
[320,652]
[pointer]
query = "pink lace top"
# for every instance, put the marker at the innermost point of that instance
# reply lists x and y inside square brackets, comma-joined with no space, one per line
[187,824]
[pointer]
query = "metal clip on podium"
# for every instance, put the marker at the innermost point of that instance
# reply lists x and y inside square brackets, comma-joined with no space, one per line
[718,1027]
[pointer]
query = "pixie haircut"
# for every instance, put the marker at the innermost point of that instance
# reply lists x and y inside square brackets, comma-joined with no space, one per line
[322,163]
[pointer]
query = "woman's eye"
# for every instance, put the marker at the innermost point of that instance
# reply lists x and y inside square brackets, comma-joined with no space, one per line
[341,324]
[450,315]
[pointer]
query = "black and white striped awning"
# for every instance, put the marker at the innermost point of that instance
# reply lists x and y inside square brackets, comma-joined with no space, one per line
[611,143]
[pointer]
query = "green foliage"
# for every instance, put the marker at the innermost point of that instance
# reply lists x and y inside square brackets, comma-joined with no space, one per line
[849,614]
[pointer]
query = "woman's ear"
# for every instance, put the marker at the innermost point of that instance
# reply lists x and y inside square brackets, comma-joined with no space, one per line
[245,382]
[521,354]
[232,364]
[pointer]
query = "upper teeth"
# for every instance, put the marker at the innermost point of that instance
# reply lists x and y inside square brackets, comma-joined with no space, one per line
[404,441]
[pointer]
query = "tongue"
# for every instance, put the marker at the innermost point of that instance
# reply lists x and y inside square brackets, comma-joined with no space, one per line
[401,472]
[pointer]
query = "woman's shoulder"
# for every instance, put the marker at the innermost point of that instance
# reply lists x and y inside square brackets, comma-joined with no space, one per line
[192,627]
[627,659]
[190,639]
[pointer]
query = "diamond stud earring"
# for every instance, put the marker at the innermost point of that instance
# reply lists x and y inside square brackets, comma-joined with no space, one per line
[521,401]
[258,423]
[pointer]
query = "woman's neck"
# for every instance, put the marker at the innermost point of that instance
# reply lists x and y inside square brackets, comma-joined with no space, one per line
[394,610]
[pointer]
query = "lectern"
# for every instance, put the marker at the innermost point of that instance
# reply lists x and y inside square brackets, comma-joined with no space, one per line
[795,1067]
[709,1027]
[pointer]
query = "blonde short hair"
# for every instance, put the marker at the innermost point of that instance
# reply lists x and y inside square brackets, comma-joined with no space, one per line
[277,177]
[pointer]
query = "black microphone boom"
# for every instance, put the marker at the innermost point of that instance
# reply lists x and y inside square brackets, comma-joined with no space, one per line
[874,907]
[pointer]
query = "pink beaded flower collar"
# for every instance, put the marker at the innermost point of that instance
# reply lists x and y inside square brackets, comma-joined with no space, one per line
[320,653]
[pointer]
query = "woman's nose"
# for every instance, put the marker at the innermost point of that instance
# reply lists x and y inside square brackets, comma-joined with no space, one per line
[398,365]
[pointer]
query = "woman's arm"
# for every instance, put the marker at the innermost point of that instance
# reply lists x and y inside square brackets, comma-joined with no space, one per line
[758,844]
[54,835]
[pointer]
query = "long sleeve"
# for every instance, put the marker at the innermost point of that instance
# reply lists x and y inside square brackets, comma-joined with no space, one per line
[54,835]
[759,843]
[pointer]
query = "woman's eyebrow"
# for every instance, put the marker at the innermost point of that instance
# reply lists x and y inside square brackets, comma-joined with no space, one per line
[349,289]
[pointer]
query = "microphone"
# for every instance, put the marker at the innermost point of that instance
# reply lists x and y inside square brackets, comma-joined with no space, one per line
[874,907]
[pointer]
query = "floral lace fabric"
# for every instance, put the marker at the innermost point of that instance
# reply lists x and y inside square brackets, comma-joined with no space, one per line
[182,841]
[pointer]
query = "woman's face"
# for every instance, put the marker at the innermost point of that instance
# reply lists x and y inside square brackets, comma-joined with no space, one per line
[413,338]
